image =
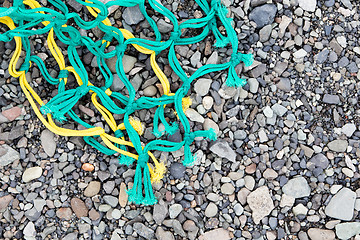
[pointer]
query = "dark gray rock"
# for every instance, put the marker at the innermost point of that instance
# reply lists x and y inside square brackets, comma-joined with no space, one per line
[263,15]
[132,15]
[177,170]
[319,160]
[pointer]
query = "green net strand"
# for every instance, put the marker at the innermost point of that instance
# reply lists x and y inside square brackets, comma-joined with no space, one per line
[61,105]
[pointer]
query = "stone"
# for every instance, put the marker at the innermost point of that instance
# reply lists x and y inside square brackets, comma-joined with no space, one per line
[321,57]
[342,41]
[263,15]
[227,188]
[195,58]
[279,109]
[260,203]
[285,21]
[331,99]
[268,112]
[29,231]
[133,15]
[177,170]
[308,5]
[338,145]
[175,210]
[211,210]
[79,207]
[210,124]
[297,187]
[301,53]
[194,116]
[202,86]
[208,102]
[253,84]
[336,207]
[31,174]
[347,230]
[12,113]
[164,27]
[161,234]
[48,142]
[143,231]
[348,129]
[319,160]
[265,33]
[64,213]
[92,189]
[150,91]
[5,201]
[159,213]
[284,85]
[300,209]
[8,155]
[123,196]
[218,234]
[321,234]
[222,149]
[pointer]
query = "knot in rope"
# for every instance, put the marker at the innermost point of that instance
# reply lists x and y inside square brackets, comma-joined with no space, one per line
[63,73]
[175,35]
[189,138]
[82,90]
[118,133]
[121,48]
[215,4]
[108,37]
[60,21]
[143,159]
[212,23]
[25,66]
[130,108]
[236,58]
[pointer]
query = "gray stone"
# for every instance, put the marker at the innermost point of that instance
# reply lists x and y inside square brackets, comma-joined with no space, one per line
[227,188]
[347,230]
[284,84]
[133,15]
[194,116]
[31,174]
[177,170]
[347,4]
[163,235]
[211,210]
[260,203]
[301,53]
[202,86]
[321,57]
[143,230]
[279,109]
[263,15]
[48,142]
[195,58]
[331,99]
[222,149]
[111,200]
[163,26]
[297,187]
[175,210]
[265,33]
[29,230]
[338,145]
[341,206]
[308,5]
[348,129]
[253,84]
[8,155]
[160,212]
[319,160]
[321,234]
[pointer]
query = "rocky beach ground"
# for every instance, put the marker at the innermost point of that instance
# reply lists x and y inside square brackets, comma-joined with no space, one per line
[286,162]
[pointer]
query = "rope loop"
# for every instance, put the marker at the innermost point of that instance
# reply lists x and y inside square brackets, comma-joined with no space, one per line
[121,48]
[175,35]
[130,108]
[25,66]
[189,138]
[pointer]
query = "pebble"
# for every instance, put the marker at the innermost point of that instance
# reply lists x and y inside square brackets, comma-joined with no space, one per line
[29,231]
[8,155]
[194,116]
[227,189]
[297,187]
[160,212]
[263,15]
[222,149]
[150,91]
[177,170]
[338,145]
[218,234]
[347,230]
[321,234]
[133,15]
[308,5]
[31,174]
[143,231]
[254,85]
[175,210]
[260,203]
[79,207]
[202,86]
[336,207]
[284,85]
[48,142]
[163,235]
[92,189]
[64,213]
[123,196]
[5,201]
[279,110]
[331,99]
[211,210]
[348,129]
[12,113]
[319,160]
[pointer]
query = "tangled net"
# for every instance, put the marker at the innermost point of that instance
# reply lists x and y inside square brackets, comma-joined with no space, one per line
[29,18]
